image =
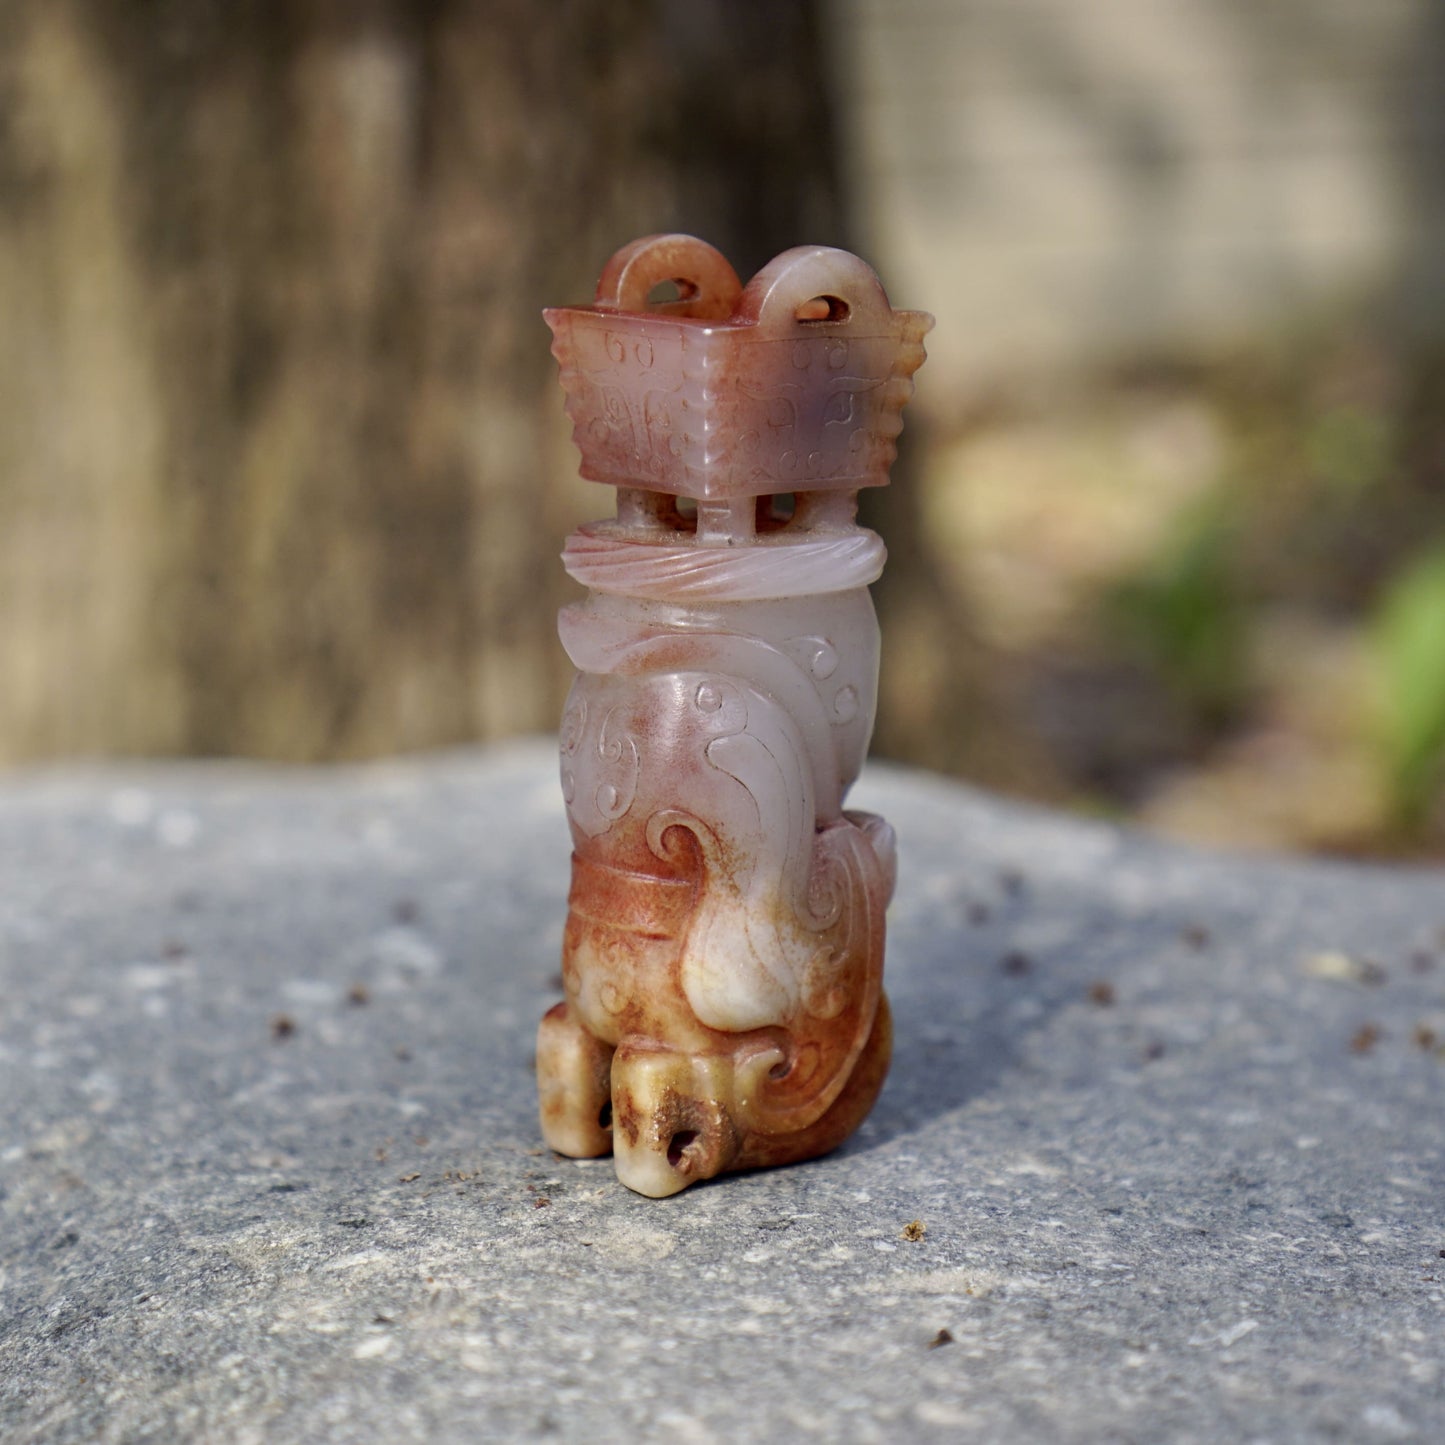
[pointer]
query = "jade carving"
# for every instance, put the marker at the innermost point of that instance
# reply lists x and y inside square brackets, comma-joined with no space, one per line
[723,953]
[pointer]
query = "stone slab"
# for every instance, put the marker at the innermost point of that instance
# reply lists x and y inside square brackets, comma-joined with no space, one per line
[1173,1125]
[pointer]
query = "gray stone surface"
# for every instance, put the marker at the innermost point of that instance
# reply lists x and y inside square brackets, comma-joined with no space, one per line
[269,1169]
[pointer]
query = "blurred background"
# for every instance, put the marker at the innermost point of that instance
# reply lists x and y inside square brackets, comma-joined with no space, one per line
[283,464]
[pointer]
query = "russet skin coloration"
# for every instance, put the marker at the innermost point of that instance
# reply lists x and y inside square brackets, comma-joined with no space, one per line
[723,954]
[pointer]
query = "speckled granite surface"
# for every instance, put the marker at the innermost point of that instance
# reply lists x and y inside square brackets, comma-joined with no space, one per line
[1173,1126]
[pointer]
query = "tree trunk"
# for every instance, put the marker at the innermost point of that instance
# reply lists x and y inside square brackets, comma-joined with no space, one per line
[283,467]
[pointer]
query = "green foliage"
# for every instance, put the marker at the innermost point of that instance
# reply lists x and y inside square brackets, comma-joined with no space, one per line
[1186,615]
[1350,449]
[1410,628]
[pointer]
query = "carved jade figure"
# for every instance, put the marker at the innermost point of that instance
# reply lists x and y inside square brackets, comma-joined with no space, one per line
[723,955]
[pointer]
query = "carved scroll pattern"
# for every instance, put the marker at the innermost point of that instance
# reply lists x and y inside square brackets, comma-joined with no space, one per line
[599,769]
[785,934]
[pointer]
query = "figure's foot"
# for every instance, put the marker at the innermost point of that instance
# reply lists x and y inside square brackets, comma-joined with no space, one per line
[672,1125]
[574,1087]
[676,1114]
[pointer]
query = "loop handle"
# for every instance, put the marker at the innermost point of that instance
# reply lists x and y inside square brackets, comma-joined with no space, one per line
[708,285]
[832,289]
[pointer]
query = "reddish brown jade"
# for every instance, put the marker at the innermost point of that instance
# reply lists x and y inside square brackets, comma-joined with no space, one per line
[723,955]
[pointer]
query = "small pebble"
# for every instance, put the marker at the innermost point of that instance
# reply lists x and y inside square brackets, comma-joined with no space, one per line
[1365,1038]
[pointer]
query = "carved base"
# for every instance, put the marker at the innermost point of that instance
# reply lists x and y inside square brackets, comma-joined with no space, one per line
[672,1118]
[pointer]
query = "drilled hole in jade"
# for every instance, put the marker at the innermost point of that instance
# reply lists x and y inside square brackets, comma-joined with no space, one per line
[670,291]
[678,1146]
[823,308]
